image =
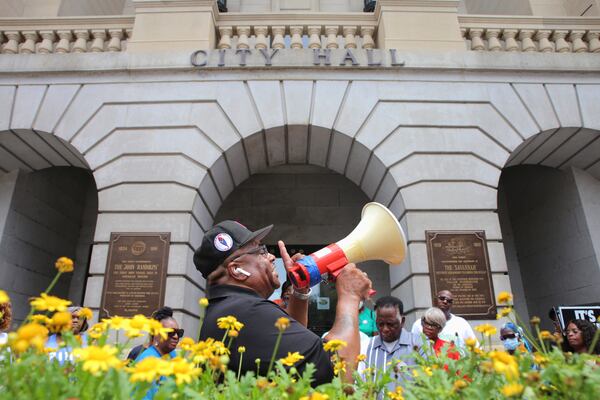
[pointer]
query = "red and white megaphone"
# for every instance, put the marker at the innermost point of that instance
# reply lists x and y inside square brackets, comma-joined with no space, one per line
[378,236]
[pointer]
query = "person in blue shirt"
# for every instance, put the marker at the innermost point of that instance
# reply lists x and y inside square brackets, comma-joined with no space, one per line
[160,347]
[62,353]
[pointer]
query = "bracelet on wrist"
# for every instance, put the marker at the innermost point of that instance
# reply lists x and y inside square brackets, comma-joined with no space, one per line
[300,295]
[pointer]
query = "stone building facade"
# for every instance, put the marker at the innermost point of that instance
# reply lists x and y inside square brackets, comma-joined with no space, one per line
[454,120]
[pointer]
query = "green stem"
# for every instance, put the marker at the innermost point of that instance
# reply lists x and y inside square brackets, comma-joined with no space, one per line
[225,336]
[537,329]
[51,286]
[200,325]
[240,366]
[274,352]
[528,335]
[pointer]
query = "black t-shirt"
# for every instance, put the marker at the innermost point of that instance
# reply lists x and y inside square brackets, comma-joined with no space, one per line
[259,332]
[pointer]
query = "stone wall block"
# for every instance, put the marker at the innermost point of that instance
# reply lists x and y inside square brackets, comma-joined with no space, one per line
[27,102]
[419,222]
[267,97]
[565,102]
[297,143]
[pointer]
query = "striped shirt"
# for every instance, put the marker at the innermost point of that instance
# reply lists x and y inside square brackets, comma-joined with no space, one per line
[380,358]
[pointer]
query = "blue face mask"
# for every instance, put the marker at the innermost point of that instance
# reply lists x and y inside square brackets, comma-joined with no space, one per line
[511,344]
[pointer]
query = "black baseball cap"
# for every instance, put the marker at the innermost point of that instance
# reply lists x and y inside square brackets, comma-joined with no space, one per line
[221,241]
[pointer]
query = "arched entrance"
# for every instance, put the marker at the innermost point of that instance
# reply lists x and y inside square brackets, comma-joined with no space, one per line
[549,210]
[48,209]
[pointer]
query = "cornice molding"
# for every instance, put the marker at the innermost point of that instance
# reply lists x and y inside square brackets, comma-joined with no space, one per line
[529,21]
[121,21]
[304,19]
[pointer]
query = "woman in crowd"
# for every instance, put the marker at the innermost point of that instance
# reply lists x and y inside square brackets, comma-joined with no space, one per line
[513,338]
[580,334]
[433,321]
[159,315]
[5,320]
[160,347]
[79,325]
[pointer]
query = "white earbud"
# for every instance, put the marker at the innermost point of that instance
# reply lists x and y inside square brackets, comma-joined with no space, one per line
[242,271]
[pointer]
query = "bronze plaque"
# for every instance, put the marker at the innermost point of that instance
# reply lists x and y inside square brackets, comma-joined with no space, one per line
[458,262]
[136,274]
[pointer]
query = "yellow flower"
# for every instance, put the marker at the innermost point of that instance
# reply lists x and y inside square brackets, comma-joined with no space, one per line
[4,297]
[187,343]
[459,385]
[427,371]
[486,329]
[116,322]
[40,319]
[233,333]
[471,343]
[203,302]
[339,367]
[97,330]
[334,345]
[60,321]
[534,321]
[504,298]
[504,312]
[155,328]
[184,371]
[85,313]
[546,335]
[397,394]
[504,363]
[49,303]
[138,324]
[360,357]
[229,323]
[29,335]
[96,359]
[282,324]
[241,349]
[291,359]
[149,370]
[315,396]
[64,264]
[512,390]
[540,359]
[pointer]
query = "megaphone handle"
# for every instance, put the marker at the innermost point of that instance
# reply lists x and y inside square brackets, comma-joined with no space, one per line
[333,276]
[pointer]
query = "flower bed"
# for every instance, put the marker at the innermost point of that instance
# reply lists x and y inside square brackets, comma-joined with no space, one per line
[202,370]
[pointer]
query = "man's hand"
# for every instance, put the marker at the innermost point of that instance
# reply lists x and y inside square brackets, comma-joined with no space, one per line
[297,308]
[353,283]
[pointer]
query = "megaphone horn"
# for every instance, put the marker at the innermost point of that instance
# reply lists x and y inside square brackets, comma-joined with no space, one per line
[378,236]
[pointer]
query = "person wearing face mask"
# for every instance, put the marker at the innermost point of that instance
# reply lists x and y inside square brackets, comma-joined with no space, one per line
[513,339]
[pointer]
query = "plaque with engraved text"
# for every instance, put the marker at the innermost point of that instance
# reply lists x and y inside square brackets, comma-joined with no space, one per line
[136,273]
[458,262]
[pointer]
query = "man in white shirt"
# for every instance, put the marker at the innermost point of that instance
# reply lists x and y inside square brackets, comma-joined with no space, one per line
[457,329]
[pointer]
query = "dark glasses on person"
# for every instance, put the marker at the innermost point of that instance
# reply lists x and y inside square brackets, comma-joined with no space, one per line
[431,325]
[508,336]
[260,250]
[446,299]
[178,332]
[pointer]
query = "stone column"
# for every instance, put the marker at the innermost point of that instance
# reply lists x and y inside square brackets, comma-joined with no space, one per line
[278,32]
[476,41]
[80,45]
[30,38]
[331,32]
[64,44]
[48,38]
[12,46]
[592,38]
[314,33]
[579,45]
[98,42]
[349,37]
[561,44]
[367,37]
[544,44]
[296,32]
[226,32]
[509,39]
[527,44]
[492,37]
[261,37]
[243,33]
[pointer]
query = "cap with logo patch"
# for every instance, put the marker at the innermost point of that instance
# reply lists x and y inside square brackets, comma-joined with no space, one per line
[221,241]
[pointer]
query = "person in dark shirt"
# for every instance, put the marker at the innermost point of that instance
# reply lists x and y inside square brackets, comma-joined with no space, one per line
[240,278]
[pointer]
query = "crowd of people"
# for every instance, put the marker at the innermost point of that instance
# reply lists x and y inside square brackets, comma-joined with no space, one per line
[241,276]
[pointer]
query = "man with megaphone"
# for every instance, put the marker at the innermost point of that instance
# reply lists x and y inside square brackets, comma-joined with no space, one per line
[240,278]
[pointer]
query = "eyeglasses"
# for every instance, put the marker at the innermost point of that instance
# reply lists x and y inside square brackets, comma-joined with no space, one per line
[178,332]
[446,299]
[508,336]
[260,250]
[431,325]
[573,331]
